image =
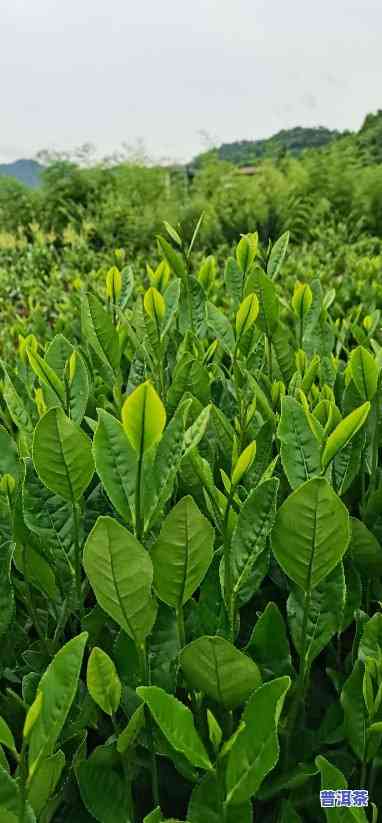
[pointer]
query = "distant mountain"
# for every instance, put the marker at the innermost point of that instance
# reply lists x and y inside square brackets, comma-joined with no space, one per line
[25,171]
[365,143]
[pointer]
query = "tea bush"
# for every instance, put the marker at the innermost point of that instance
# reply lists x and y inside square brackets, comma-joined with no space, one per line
[190,525]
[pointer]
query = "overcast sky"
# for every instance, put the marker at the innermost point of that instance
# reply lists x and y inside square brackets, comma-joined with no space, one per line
[114,71]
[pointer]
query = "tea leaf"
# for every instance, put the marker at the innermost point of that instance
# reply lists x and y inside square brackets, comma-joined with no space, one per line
[215,667]
[256,750]
[120,572]
[182,553]
[143,417]
[311,533]
[177,724]
[58,687]
[103,682]
[62,455]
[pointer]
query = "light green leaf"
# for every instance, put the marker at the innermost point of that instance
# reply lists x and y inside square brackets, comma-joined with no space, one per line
[32,714]
[103,788]
[355,713]
[9,456]
[205,805]
[36,570]
[159,482]
[245,254]
[284,351]
[48,377]
[249,538]
[256,750]
[269,645]
[269,308]
[277,255]
[10,801]
[326,610]
[154,817]
[347,463]
[344,432]
[194,434]
[215,733]
[6,736]
[78,388]
[46,513]
[234,279]
[221,327]
[143,417]
[58,687]
[190,376]
[16,407]
[130,733]
[7,600]
[244,462]
[287,781]
[174,259]
[182,553]
[302,299]
[57,353]
[300,450]
[311,533]
[120,573]
[176,723]
[364,371]
[246,314]
[116,464]
[62,455]
[370,644]
[365,549]
[214,666]
[44,781]
[171,298]
[103,682]
[99,332]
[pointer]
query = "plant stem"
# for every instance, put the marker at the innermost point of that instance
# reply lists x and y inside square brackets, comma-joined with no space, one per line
[298,697]
[368,596]
[228,724]
[363,778]
[180,626]
[187,284]
[372,776]
[339,651]
[363,487]
[77,562]
[31,607]
[22,784]
[301,329]
[227,562]
[270,359]
[146,679]
[124,758]
[60,625]
[220,779]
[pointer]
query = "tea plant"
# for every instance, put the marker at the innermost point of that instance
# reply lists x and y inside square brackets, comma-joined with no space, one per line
[190,552]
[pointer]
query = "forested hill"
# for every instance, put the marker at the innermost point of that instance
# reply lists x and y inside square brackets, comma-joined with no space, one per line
[293,141]
[367,141]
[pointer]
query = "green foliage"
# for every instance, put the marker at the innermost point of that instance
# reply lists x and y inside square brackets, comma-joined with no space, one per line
[190,527]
